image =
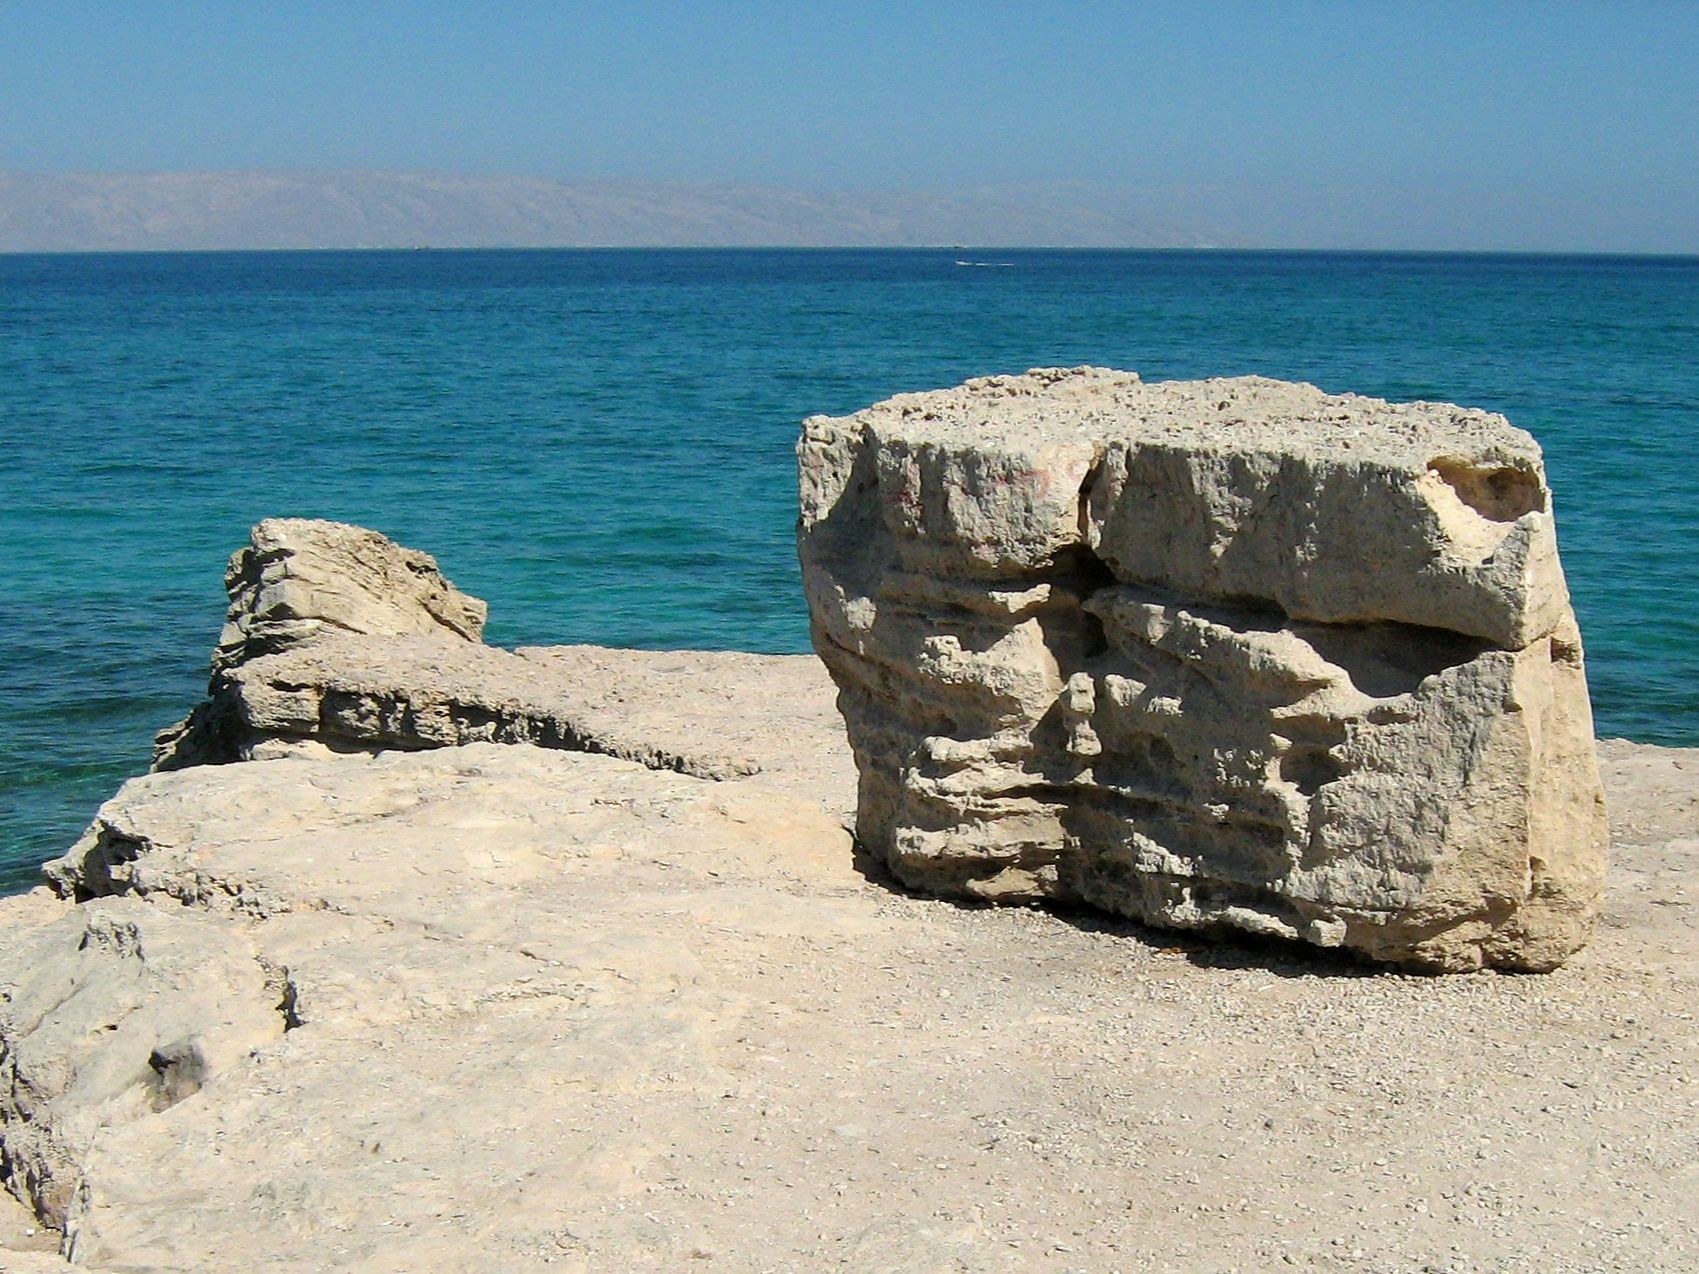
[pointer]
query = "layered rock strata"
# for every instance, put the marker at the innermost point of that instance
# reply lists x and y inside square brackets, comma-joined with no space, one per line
[338,640]
[298,582]
[1221,654]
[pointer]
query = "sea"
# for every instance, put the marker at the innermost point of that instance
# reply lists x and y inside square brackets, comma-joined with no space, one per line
[599,443]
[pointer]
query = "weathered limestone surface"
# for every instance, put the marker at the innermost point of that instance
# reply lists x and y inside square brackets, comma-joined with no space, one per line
[114,1011]
[338,640]
[298,581]
[497,1007]
[462,1008]
[1230,653]
[300,577]
[307,1009]
[347,693]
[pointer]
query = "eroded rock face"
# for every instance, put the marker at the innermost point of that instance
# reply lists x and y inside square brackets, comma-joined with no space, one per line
[300,578]
[299,581]
[1228,653]
[340,641]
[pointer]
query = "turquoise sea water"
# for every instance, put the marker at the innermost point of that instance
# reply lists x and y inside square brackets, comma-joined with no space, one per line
[599,443]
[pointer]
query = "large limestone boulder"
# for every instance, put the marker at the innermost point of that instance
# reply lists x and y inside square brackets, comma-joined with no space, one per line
[1222,654]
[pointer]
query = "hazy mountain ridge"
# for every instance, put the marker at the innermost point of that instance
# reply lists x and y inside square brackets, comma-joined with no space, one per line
[354,209]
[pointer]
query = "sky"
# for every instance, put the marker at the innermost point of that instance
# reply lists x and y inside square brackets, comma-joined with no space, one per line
[1541,125]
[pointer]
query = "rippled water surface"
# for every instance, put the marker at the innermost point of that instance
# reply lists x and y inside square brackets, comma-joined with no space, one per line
[599,443]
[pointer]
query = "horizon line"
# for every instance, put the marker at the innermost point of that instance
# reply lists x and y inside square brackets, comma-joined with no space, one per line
[1213,249]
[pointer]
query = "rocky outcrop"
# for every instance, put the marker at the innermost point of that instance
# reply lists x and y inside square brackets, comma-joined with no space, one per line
[1222,654]
[504,1008]
[338,640]
[508,1007]
[319,1005]
[298,581]
[300,578]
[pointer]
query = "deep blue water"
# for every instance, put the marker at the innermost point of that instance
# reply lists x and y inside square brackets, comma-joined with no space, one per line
[599,443]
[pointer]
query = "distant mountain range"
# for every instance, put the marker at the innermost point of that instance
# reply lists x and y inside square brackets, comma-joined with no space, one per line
[353,209]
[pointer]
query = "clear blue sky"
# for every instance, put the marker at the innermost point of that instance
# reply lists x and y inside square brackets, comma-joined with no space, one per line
[1521,124]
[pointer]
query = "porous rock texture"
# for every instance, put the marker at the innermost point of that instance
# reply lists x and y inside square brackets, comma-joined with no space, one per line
[1227,653]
